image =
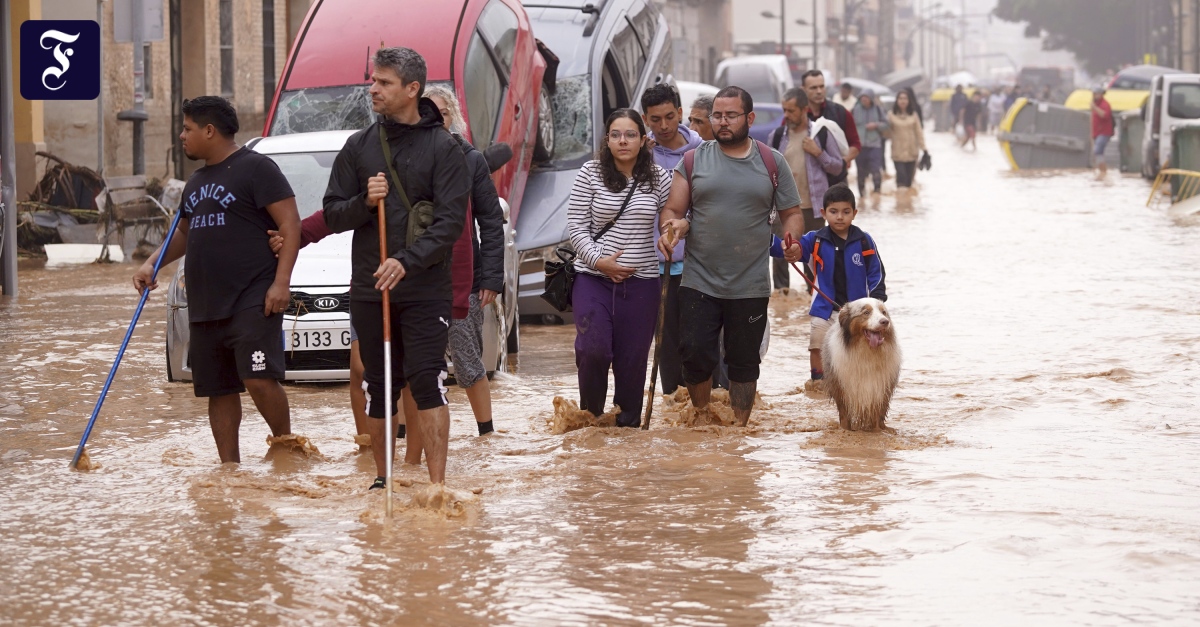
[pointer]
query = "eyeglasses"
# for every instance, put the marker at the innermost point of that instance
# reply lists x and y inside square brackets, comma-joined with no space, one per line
[728,117]
[629,135]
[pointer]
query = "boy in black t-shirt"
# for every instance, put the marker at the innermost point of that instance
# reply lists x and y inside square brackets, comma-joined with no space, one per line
[237,290]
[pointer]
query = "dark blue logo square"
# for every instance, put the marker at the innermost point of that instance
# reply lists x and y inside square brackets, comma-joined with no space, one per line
[60,60]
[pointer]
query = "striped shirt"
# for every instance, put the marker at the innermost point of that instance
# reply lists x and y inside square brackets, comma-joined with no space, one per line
[592,205]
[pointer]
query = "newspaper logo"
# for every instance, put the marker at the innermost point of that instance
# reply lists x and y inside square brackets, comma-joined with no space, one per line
[60,60]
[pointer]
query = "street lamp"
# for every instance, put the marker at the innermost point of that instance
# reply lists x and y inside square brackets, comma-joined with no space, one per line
[804,22]
[782,25]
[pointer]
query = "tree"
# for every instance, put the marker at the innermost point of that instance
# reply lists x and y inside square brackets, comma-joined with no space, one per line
[1101,33]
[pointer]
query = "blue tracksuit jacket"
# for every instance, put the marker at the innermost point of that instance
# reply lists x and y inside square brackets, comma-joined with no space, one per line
[864,269]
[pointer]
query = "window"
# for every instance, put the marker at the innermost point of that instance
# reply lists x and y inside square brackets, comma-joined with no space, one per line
[645,22]
[627,52]
[225,22]
[1184,101]
[499,27]
[572,121]
[308,174]
[148,72]
[485,92]
[268,39]
[614,95]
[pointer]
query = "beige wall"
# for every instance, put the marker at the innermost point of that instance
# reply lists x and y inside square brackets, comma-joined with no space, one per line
[70,128]
[701,33]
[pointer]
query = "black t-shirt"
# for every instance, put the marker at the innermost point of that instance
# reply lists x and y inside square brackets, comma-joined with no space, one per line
[839,269]
[229,264]
[971,113]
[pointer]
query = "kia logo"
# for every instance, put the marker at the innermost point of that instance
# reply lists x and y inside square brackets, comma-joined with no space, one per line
[326,303]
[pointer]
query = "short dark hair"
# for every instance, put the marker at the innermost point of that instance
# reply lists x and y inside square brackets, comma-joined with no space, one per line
[839,193]
[798,94]
[660,94]
[215,110]
[405,62]
[734,91]
[810,74]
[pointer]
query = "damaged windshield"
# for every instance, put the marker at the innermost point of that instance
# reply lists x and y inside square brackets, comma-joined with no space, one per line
[343,108]
[572,122]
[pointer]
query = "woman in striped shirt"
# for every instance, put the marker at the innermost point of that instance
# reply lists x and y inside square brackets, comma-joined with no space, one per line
[616,286]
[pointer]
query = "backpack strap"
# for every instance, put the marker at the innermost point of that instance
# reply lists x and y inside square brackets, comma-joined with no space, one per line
[777,137]
[768,158]
[689,163]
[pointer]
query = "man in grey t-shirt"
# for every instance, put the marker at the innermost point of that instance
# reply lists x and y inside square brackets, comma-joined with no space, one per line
[726,282]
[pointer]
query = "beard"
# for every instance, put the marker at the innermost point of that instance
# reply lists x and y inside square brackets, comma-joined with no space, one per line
[738,136]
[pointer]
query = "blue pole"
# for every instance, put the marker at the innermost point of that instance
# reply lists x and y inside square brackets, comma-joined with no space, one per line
[128,334]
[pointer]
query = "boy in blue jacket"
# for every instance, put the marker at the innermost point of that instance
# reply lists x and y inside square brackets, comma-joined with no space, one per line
[847,263]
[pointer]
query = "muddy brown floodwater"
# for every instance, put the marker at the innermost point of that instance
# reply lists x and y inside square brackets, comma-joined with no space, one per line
[1046,468]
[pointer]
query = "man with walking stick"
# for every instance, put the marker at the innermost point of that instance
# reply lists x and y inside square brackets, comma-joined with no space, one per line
[408,160]
[237,290]
[732,190]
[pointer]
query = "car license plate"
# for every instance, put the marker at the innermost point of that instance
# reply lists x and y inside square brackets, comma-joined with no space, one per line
[316,339]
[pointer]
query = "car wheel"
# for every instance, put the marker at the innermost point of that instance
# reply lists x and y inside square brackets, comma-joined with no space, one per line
[544,148]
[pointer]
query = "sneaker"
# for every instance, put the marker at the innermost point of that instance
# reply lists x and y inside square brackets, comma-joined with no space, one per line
[379,484]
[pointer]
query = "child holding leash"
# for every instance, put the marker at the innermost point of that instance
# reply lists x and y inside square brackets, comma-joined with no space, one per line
[847,265]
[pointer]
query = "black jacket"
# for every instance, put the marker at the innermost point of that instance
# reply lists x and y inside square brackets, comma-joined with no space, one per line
[431,166]
[489,216]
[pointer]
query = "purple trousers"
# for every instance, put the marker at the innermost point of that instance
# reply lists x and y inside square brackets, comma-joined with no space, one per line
[614,327]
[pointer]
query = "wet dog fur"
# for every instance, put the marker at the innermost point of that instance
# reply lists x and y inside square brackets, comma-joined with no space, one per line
[861,358]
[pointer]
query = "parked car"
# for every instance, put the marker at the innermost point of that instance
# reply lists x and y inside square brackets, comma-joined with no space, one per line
[483,49]
[609,53]
[316,327]
[767,117]
[689,92]
[884,96]
[1174,100]
[765,76]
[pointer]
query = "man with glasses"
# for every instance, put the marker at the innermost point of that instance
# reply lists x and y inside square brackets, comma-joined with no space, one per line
[813,82]
[726,284]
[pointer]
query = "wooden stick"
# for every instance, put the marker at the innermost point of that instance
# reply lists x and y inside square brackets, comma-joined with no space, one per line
[658,332]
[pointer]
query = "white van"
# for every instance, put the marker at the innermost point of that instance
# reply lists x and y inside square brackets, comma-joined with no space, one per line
[1174,99]
[765,76]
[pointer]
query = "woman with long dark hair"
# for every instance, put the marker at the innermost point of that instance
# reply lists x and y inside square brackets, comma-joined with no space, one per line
[908,139]
[610,219]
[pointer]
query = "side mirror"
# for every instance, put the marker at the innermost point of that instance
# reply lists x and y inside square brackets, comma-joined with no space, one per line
[497,155]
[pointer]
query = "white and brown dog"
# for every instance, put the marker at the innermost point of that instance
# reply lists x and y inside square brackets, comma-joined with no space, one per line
[861,359]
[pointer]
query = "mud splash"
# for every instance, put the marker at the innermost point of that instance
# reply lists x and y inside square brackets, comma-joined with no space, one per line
[568,417]
[85,463]
[679,412]
[297,443]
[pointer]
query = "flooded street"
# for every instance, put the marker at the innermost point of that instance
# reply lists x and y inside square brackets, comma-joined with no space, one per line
[1046,468]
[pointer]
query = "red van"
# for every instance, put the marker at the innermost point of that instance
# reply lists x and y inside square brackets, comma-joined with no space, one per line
[484,49]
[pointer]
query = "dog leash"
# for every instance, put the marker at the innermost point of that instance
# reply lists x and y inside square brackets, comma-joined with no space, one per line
[787,243]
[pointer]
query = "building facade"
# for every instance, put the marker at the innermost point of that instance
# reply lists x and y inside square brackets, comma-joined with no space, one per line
[701,35]
[233,48]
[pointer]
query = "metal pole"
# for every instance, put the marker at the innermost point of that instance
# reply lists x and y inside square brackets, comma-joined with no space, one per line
[175,8]
[815,65]
[138,114]
[8,150]
[782,32]
[100,98]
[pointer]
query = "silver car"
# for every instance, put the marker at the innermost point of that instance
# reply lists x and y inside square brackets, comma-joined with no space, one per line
[316,326]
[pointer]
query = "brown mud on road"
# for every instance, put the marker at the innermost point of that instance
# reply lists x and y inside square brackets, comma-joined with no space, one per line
[1044,469]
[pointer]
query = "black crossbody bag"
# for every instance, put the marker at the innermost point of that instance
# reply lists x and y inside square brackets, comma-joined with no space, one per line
[560,275]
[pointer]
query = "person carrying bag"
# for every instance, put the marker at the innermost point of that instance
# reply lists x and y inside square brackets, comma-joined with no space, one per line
[610,219]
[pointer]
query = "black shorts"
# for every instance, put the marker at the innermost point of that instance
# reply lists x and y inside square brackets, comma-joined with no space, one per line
[223,353]
[420,332]
[701,319]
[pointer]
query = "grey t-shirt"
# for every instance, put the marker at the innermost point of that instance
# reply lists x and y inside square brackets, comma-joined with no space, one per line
[728,245]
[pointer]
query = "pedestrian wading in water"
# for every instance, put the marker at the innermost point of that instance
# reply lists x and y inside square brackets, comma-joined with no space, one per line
[610,218]
[663,114]
[908,139]
[237,290]
[726,280]
[429,164]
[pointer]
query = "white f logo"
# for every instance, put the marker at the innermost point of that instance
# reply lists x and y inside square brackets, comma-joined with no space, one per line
[59,56]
